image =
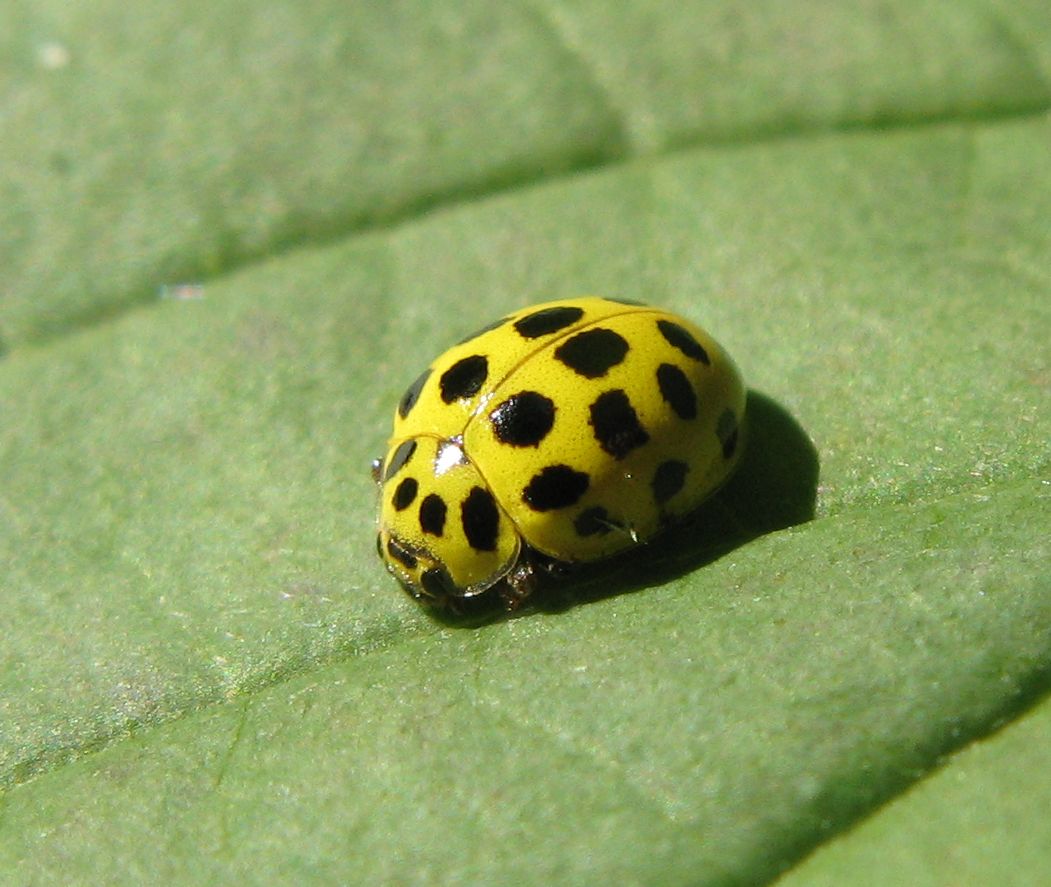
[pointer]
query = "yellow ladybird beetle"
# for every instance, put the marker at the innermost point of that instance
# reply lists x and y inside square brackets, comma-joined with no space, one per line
[563,433]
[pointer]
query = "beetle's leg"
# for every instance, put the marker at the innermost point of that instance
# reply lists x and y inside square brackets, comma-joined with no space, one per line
[519,583]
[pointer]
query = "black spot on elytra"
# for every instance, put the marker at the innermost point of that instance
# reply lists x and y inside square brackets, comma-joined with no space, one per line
[400,459]
[677,391]
[404,494]
[682,339]
[616,424]
[464,378]
[668,480]
[524,419]
[412,393]
[593,522]
[547,320]
[437,583]
[401,554]
[557,486]
[593,353]
[623,301]
[379,545]
[480,519]
[432,514]
[726,431]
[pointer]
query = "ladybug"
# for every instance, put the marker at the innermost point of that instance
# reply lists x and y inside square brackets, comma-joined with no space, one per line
[563,433]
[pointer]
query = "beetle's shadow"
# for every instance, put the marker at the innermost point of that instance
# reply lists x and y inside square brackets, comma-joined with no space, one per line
[775,486]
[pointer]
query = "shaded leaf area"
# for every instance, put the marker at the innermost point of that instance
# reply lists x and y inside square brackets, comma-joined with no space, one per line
[143,148]
[705,732]
[982,819]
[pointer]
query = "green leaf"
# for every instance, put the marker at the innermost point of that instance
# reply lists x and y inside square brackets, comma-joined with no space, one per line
[206,674]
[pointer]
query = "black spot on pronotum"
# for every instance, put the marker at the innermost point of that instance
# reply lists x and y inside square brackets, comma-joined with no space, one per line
[668,480]
[677,391]
[524,419]
[616,424]
[682,339]
[726,431]
[557,486]
[464,378]
[593,522]
[489,327]
[401,554]
[432,514]
[480,519]
[400,459]
[437,583]
[404,494]
[412,393]
[593,353]
[547,320]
